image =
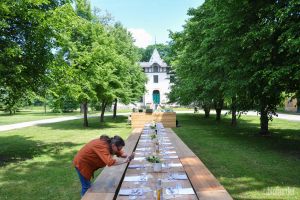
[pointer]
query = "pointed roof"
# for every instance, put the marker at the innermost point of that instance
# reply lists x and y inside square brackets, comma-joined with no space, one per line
[155,58]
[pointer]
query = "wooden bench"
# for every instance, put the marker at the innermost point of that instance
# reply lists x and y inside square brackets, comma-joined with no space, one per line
[206,186]
[107,184]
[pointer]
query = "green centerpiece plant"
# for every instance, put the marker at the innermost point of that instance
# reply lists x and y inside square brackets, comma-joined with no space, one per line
[153,159]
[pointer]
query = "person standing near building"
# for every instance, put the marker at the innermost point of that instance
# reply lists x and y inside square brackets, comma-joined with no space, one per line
[96,154]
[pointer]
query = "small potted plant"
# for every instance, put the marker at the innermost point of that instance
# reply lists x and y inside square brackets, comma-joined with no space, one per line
[156,162]
[148,109]
[153,137]
[153,125]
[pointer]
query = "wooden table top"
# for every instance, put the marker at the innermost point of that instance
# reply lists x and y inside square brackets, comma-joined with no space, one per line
[172,167]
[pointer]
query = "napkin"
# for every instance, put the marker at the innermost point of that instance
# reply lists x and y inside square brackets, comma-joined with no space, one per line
[167,143]
[142,149]
[170,157]
[170,152]
[173,165]
[171,191]
[139,153]
[127,192]
[144,140]
[134,178]
[139,158]
[178,176]
[169,147]
[135,166]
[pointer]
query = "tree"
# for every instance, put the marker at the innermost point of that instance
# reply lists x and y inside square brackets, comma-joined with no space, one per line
[163,49]
[242,52]
[25,48]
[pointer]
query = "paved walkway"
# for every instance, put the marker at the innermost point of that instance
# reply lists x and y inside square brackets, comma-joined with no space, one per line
[45,121]
[60,119]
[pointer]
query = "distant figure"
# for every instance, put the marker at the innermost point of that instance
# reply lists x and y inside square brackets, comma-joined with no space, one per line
[96,154]
[177,123]
[129,119]
[195,109]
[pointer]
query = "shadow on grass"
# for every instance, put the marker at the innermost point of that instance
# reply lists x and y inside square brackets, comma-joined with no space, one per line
[51,176]
[18,148]
[282,139]
[242,160]
[94,124]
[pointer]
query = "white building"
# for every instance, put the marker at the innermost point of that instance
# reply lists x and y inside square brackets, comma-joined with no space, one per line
[158,84]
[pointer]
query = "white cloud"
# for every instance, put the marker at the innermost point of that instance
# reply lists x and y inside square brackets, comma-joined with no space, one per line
[142,38]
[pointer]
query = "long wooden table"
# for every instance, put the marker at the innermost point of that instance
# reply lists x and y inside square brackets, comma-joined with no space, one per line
[205,186]
[173,177]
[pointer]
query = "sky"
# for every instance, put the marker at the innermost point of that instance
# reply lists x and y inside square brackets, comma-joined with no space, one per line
[148,19]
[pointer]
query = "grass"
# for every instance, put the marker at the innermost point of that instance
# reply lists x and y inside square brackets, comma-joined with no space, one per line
[37,113]
[249,166]
[182,109]
[36,162]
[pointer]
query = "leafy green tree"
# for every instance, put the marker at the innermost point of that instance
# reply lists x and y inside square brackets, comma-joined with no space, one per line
[242,52]
[127,69]
[25,47]
[163,49]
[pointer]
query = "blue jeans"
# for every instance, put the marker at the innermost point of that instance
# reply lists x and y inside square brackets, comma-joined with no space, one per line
[85,184]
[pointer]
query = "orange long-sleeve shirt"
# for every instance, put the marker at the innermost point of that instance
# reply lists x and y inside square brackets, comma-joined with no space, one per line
[93,156]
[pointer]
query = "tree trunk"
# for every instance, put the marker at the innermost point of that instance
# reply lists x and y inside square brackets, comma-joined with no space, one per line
[115,109]
[45,107]
[264,121]
[218,107]
[81,108]
[85,109]
[218,114]
[103,106]
[206,111]
[233,112]
[45,104]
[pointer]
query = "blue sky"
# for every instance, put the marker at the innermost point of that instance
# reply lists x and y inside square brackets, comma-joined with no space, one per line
[147,19]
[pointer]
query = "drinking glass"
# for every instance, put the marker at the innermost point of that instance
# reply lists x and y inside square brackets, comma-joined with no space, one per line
[133,194]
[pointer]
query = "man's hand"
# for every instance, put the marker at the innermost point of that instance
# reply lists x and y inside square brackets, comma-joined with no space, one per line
[131,157]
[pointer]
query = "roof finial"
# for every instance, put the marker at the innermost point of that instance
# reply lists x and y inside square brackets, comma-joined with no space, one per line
[155,41]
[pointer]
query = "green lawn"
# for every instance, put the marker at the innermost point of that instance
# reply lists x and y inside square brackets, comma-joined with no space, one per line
[183,109]
[37,113]
[247,165]
[36,162]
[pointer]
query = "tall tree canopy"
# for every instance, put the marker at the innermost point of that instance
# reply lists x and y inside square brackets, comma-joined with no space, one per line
[25,47]
[241,52]
[163,49]
[64,52]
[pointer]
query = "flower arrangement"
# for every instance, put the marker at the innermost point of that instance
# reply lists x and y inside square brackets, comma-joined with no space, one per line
[153,159]
[153,136]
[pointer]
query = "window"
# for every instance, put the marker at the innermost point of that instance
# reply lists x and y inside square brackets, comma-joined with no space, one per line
[155,68]
[155,78]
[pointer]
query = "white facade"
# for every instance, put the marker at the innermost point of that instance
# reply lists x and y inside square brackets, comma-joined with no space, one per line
[158,84]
